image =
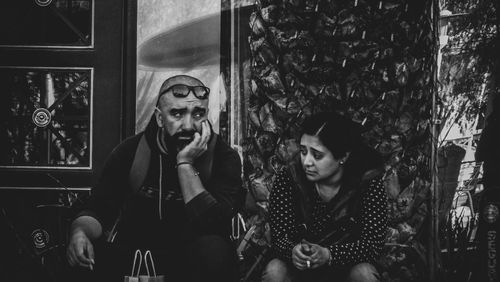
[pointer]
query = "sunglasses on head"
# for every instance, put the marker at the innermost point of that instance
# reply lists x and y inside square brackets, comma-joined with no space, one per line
[182,90]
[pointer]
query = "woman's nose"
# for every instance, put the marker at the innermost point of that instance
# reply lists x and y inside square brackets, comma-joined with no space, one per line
[307,160]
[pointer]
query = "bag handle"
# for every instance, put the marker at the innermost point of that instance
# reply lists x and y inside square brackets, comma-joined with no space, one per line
[146,255]
[240,224]
[245,241]
[137,254]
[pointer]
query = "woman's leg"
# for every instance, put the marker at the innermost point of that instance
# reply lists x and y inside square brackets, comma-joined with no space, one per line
[276,271]
[363,272]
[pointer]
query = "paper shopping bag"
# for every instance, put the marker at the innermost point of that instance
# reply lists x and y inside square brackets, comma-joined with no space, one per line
[134,276]
[145,278]
[151,277]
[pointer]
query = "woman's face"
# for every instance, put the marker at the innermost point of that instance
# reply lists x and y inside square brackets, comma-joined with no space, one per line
[318,162]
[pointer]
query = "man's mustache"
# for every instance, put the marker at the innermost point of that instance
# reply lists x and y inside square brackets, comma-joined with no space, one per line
[184,135]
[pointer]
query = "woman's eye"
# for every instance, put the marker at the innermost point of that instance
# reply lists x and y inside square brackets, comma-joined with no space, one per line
[303,152]
[317,156]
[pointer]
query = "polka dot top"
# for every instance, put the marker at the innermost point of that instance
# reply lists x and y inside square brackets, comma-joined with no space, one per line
[372,223]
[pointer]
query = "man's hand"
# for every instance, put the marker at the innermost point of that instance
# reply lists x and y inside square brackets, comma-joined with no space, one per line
[300,256]
[197,147]
[80,250]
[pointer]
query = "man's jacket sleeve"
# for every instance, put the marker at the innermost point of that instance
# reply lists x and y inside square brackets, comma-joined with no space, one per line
[109,193]
[213,209]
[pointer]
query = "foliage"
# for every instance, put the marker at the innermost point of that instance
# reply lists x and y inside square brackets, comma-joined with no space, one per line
[459,249]
[370,60]
[475,32]
[469,59]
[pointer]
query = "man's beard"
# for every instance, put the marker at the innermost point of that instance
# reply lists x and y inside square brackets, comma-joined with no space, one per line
[179,140]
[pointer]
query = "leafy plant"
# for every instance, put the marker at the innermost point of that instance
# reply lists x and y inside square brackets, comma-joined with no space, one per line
[458,249]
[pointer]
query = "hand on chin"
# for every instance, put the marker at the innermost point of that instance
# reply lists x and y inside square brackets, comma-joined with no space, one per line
[182,142]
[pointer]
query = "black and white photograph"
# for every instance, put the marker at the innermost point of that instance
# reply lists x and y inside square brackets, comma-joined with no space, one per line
[250,140]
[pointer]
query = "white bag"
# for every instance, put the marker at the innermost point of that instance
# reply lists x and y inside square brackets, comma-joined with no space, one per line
[151,276]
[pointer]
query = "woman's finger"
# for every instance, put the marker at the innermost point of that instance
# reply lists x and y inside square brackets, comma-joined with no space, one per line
[315,256]
[299,265]
[320,255]
[304,265]
[301,255]
[315,265]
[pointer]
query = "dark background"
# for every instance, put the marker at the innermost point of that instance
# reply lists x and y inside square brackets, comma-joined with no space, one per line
[32,203]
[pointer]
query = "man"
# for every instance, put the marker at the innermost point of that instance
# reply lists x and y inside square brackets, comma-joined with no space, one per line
[171,189]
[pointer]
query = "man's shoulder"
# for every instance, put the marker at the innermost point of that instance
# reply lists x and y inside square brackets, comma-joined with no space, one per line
[127,146]
[222,149]
[225,158]
[121,157]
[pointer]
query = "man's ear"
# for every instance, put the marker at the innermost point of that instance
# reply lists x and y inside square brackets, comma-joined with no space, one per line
[159,118]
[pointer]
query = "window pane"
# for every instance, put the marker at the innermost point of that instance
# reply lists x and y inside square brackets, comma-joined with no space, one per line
[178,37]
[47,23]
[45,117]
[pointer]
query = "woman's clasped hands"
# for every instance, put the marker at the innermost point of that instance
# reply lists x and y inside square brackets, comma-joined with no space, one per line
[306,255]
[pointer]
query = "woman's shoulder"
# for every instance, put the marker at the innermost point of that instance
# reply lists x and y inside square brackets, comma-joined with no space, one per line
[372,176]
[289,174]
[373,182]
[286,180]
[282,177]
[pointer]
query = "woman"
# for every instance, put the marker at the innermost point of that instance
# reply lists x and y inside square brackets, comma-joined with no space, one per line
[328,219]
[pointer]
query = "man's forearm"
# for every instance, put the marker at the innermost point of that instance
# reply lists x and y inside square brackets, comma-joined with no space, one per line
[88,225]
[190,182]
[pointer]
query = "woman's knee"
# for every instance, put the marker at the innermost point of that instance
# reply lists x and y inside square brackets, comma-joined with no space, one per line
[277,271]
[363,272]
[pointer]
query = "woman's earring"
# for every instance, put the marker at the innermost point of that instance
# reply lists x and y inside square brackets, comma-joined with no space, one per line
[341,162]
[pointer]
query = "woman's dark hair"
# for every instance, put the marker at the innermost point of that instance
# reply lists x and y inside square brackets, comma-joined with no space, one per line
[338,133]
[341,135]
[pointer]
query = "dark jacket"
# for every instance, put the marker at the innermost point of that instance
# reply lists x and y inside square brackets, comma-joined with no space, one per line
[352,225]
[140,224]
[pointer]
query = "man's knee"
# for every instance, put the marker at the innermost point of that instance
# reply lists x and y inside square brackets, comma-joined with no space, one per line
[211,256]
[276,270]
[363,272]
[209,246]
